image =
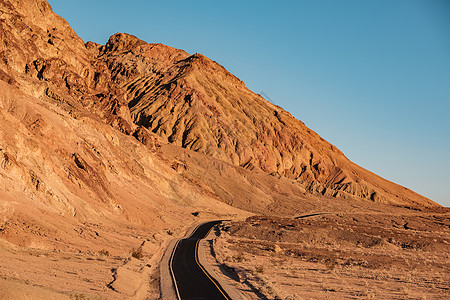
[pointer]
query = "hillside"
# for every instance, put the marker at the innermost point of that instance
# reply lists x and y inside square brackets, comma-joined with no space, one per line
[193,102]
[187,100]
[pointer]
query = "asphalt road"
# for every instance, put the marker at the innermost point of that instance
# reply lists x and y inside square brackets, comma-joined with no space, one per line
[190,279]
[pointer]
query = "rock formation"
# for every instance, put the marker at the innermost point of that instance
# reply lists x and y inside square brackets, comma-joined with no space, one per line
[193,102]
[159,94]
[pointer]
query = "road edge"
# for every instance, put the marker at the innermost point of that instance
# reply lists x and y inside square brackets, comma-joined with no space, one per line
[167,289]
[166,286]
[202,257]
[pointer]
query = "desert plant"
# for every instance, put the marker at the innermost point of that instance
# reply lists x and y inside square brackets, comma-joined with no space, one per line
[330,264]
[278,262]
[137,253]
[239,257]
[77,296]
[259,269]
[104,252]
[268,290]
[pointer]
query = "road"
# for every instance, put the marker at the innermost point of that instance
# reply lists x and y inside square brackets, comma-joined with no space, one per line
[191,280]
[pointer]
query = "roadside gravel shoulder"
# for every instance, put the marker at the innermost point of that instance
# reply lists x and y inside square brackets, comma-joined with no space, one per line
[204,254]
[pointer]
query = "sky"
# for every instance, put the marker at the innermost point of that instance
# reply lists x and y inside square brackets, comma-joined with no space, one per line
[372,77]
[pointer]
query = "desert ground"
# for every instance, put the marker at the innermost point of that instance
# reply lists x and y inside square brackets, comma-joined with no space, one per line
[359,253]
[356,255]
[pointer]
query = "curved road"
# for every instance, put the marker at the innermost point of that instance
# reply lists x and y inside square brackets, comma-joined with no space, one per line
[190,279]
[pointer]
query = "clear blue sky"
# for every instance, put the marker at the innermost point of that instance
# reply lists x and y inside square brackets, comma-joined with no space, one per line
[371,77]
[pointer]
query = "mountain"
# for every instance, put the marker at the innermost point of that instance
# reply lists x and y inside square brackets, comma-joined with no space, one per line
[127,143]
[193,102]
[187,100]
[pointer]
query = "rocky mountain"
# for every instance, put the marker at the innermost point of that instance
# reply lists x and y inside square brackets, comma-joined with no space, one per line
[193,102]
[156,93]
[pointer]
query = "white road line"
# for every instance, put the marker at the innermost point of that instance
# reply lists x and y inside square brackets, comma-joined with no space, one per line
[171,271]
[196,259]
[172,274]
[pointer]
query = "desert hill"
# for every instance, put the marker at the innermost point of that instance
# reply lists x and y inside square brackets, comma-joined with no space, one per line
[108,148]
[186,100]
[193,102]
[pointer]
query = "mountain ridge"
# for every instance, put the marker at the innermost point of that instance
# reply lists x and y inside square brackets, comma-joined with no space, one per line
[262,135]
[153,91]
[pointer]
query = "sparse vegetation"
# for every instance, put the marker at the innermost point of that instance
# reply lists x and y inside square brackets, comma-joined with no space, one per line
[137,253]
[278,262]
[77,296]
[320,257]
[268,290]
[259,269]
[330,264]
[239,257]
[103,252]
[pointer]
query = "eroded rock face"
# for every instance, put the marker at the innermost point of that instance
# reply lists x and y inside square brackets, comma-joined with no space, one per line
[43,57]
[158,94]
[193,102]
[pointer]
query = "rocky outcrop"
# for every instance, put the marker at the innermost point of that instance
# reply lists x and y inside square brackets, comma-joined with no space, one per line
[193,102]
[157,93]
[42,56]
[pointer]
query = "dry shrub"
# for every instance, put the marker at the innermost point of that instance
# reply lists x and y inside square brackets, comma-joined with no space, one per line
[266,289]
[330,264]
[137,253]
[104,252]
[259,269]
[238,257]
[278,262]
[77,296]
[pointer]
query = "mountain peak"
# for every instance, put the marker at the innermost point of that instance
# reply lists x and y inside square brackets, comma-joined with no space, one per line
[123,42]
